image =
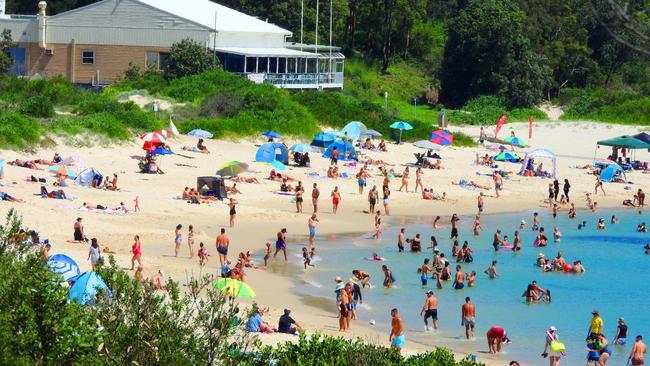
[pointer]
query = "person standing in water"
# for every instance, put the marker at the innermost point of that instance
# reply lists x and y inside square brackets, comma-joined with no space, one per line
[638,352]
[454,226]
[468,317]
[396,337]
[477,225]
[459,280]
[430,310]
[281,244]
[492,270]
[311,223]
[401,238]
[424,272]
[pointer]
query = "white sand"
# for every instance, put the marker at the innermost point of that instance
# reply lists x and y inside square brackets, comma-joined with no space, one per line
[261,213]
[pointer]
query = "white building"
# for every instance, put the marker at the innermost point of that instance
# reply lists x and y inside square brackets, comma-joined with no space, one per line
[95,44]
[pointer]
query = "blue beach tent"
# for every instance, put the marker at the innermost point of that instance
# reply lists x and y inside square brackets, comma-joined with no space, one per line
[85,178]
[611,171]
[271,151]
[345,149]
[87,287]
[323,140]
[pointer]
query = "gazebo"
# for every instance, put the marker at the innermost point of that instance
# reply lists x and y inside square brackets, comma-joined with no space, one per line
[539,153]
[626,142]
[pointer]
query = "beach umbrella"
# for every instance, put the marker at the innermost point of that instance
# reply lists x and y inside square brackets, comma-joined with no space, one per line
[232,169]
[87,287]
[162,151]
[234,288]
[424,144]
[496,147]
[300,148]
[401,126]
[506,156]
[354,130]
[371,133]
[153,137]
[442,137]
[65,266]
[202,134]
[515,141]
[164,133]
[271,134]
[63,170]
[278,165]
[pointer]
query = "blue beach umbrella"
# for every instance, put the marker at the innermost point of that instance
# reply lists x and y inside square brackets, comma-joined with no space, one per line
[345,149]
[65,266]
[87,287]
[301,148]
[401,126]
[353,130]
[271,134]
[515,141]
[278,165]
[371,133]
[162,151]
[203,134]
[506,156]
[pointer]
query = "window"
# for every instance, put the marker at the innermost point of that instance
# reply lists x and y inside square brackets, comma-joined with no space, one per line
[157,60]
[87,57]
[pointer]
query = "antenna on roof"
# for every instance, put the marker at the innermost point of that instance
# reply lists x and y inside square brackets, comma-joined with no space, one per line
[214,42]
[302,13]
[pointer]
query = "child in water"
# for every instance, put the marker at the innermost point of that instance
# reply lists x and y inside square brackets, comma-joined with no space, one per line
[267,255]
[306,258]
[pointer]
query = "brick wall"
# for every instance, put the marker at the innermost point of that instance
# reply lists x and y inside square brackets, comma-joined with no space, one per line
[110,61]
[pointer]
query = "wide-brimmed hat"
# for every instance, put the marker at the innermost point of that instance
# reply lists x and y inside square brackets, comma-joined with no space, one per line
[552,329]
[338,279]
[540,255]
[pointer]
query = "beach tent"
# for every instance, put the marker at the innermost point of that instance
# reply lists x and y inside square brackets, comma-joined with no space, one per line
[354,130]
[301,148]
[643,137]
[610,171]
[507,156]
[542,154]
[272,151]
[85,178]
[345,149]
[627,142]
[323,140]
[65,266]
[2,168]
[87,287]
[212,184]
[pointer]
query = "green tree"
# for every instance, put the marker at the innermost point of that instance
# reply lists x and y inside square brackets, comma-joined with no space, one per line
[486,48]
[6,42]
[187,58]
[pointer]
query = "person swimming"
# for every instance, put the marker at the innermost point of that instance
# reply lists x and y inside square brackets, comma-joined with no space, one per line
[641,228]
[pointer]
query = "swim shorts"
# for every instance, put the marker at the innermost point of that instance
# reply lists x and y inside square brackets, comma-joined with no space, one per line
[480,208]
[398,341]
[469,322]
[222,249]
[497,185]
[312,232]
[362,183]
[343,309]
[459,285]
[454,233]
[424,279]
[431,313]
[280,244]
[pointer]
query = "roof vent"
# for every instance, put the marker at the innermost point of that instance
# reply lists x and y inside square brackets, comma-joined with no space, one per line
[49,51]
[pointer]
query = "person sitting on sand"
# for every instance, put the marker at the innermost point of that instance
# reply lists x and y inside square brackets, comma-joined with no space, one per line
[382,146]
[368,144]
[56,159]
[330,172]
[56,194]
[245,180]
[112,186]
[257,325]
[7,197]
[233,189]
[158,280]
[630,202]
[427,194]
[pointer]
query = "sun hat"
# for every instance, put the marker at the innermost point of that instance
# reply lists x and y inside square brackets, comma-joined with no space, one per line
[338,279]
[429,292]
[540,255]
[552,329]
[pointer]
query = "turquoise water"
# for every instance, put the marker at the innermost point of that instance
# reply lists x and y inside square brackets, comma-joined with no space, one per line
[615,282]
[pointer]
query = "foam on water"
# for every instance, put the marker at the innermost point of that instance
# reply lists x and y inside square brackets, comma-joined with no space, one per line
[615,282]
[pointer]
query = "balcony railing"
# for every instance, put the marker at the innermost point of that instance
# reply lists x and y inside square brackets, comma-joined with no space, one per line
[299,81]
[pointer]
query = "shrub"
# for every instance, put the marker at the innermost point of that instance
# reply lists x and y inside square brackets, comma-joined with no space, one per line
[487,109]
[37,106]
[18,131]
[606,106]
[187,58]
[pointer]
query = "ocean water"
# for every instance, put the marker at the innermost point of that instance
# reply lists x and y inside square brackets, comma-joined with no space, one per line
[616,282]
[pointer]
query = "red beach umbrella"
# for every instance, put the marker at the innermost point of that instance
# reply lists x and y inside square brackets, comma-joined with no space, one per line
[442,137]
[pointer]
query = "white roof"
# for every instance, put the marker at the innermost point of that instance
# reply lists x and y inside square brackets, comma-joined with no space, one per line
[203,12]
[264,52]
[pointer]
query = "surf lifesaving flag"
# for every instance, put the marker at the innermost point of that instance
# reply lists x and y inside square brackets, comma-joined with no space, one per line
[530,126]
[500,123]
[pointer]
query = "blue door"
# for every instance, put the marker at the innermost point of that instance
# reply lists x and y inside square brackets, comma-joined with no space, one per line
[18,54]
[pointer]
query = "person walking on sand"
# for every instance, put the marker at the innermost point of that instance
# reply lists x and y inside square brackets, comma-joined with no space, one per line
[299,190]
[468,317]
[373,196]
[311,223]
[638,352]
[190,240]
[281,244]
[556,189]
[233,211]
[430,310]
[386,195]
[315,193]
[178,239]
[599,184]
[136,251]
[396,337]
[405,180]
[418,179]
[95,253]
[498,183]
[377,225]
[344,310]
[566,187]
[480,203]
[336,198]
[222,243]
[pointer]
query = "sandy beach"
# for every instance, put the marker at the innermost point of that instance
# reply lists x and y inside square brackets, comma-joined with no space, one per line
[261,212]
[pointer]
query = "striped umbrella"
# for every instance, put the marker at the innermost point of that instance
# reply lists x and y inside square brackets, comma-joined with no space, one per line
[63,170]
[65,266]
[442,137]
[234,288]
[232,169]
[155,137]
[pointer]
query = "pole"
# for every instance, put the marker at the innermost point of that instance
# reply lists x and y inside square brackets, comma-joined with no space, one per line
[316,47]
[302,13]
[415,106]
[330,65]
[214,43]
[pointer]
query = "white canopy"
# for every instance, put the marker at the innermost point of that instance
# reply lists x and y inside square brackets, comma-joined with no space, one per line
[539,153]
[266,52]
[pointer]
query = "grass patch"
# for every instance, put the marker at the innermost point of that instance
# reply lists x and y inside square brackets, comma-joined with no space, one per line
[606,106]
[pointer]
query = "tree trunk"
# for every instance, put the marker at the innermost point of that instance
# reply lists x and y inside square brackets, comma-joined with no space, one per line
[388,30]
[351,24]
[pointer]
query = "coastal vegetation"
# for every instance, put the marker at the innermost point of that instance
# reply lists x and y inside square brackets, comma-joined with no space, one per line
[136,324]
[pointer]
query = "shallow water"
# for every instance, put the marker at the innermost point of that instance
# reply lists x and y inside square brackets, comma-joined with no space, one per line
[615,282]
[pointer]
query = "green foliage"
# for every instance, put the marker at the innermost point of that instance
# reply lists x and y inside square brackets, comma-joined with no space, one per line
[18,131]
[606,106]
[37,106]
[463,140]
[5,42]
[187,58]
[487,109]
[322,350]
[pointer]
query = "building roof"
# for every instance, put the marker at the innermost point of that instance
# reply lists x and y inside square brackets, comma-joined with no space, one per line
[266,52]
[203,13]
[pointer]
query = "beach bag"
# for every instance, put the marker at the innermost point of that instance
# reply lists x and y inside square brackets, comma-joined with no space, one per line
[557,346]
